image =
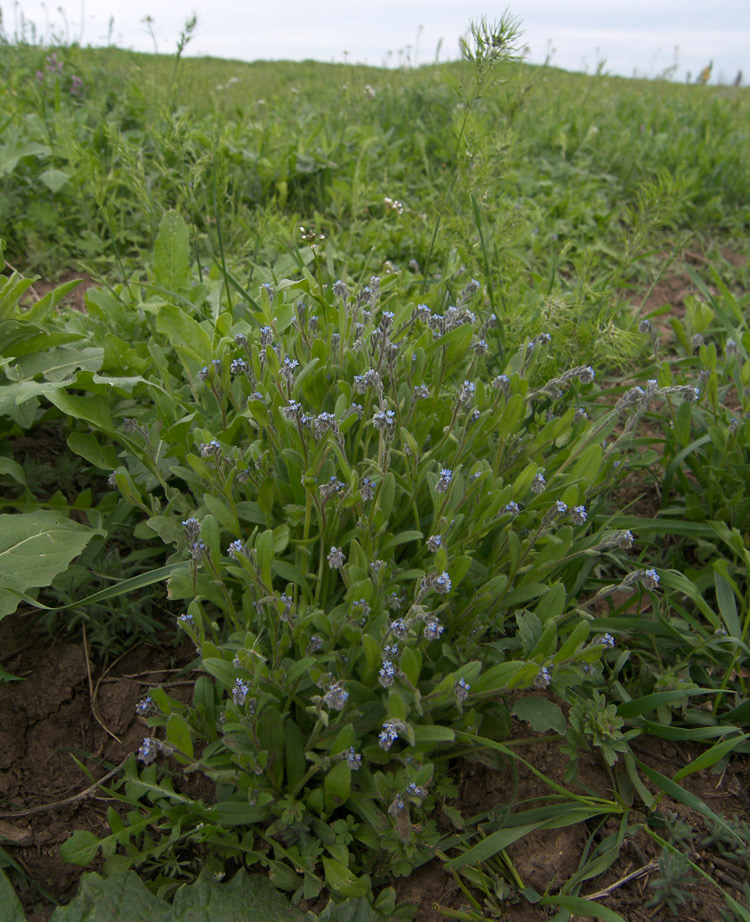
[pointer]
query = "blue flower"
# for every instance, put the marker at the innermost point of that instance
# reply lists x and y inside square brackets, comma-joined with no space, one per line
[336,696]
[389,734]
[442,583]
[239,692]
[433,629]
[542,679]
[461,689]
[446,475]
[149,750]
[579,515]
[145,706]
[353,759]
[335,558]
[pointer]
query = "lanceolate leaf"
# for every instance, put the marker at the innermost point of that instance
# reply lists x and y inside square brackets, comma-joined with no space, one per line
[172,253]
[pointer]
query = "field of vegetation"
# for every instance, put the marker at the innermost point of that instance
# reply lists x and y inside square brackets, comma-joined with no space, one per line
[374,490]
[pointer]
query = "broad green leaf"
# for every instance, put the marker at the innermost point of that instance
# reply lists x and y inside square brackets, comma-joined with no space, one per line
[172,253]
[88,446]
[125,898]
[541,713]
[341,880]
[12,153]
[34,548]
[53,179]
[80,848]
[90,409]
[187,336]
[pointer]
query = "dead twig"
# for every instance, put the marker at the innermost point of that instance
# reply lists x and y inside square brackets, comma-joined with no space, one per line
[82,795]
[634,875]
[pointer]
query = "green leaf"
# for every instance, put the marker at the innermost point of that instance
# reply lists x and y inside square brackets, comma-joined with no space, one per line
[264,552]
[710,757]
[586,909]
[338,783]
[541,713]
[187,336]
[88,446]
[125,898]
[727,605]
[53,179]
[13,152]
[34,548]
[675,792]
[80,848]
[172,253]
[341,880]
[10,907]
[90,409]
[178,734]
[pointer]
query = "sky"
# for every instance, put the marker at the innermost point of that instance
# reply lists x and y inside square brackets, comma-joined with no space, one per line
[626,37]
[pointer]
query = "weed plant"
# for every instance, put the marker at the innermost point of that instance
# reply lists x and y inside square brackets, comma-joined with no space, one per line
[385,496]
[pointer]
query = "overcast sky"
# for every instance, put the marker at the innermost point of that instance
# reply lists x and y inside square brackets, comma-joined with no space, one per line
[634,36]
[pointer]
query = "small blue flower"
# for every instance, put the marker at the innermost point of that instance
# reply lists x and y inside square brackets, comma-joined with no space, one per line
[542,679]
[442,583]
[145,706]
[336,558]
[512,507]
[650,579]
[433,629]
[387,674]
[578,515]
[239,692]
[353,759]
[446,475]
[397,805]
[399,628]
[210,448]
[149,750]
[388,735]
[235,549]
[608,640]
[461,690]
[434,543]
[538,483]
[336,696]
[192,529]
[586,375]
